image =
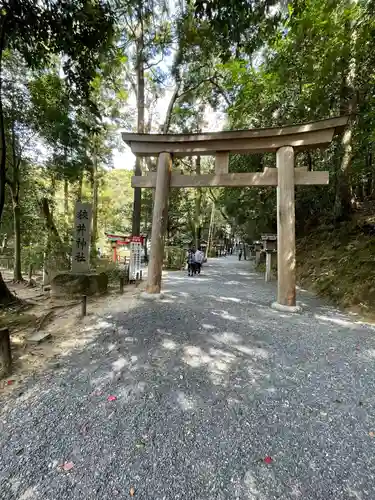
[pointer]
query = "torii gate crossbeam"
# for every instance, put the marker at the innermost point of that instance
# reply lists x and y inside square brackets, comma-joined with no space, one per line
[282,140]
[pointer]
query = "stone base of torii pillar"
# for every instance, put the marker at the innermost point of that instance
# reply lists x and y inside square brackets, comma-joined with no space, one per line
[151,296]
[289,309]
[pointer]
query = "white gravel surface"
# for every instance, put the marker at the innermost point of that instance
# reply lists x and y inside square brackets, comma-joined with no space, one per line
[208,382]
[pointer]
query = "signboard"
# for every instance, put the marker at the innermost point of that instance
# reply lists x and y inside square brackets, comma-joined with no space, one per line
[82,238]
[135,257]
[121,240]
[124,240]
[136,239]
[269,237]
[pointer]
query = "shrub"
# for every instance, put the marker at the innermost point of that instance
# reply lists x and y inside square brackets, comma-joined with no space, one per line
[174,258]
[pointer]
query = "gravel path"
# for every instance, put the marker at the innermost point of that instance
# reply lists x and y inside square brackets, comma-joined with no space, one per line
[209,381]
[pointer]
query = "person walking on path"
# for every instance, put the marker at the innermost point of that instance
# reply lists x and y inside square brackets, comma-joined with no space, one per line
[191,262]
[198,260]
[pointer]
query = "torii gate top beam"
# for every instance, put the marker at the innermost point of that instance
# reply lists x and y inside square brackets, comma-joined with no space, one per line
[302,136]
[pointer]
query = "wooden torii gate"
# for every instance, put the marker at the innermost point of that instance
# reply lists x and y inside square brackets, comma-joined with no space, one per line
[284,141]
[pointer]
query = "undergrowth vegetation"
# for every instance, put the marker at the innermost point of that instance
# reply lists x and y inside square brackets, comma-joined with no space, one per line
[339,263]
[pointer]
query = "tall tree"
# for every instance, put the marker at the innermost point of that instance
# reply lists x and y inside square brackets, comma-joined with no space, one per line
[317,63]
[80,30]
[238,26]
[147,39]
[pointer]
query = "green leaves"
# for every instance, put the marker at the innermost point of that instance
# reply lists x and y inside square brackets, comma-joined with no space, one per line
[236,25]
[80,30]
[317,62]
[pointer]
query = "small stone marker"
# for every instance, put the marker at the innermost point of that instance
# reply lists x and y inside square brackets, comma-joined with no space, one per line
[270,247]
[82,238]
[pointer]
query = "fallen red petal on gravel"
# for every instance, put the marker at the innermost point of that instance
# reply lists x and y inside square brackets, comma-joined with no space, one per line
[111,398]
[67,466]
[268,460]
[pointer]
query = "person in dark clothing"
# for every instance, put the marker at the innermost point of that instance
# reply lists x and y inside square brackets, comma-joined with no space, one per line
[199,255]
[191,262]
[240,254]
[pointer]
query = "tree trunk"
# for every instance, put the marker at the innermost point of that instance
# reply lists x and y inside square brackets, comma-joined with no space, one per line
[66,211]
[79,187]
[3,21]
[168,117]
[14,188]
[210,229]
[4,243]
[17,271]
[309,161]
[53,193]
[6,296]
[54,239]
[137,205]
[348,105]
[342,205]
[368,179]
[30,272]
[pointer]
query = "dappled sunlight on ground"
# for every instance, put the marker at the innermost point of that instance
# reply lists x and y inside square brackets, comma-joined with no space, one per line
[130,392]
[186,403]
[207,326]
[68,332]
[187,279]
[235,342]
[234,282]
[199,394]
[225,299]
[216,362]
[225,315]
[169,344]
[336,321]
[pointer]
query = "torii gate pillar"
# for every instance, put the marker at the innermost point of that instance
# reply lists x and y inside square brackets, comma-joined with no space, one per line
[159,219]
[286,236]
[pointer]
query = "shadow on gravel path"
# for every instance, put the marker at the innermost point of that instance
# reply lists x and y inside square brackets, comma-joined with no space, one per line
[208,382]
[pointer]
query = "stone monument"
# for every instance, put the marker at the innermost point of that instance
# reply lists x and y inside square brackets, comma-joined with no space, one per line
[80,280]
